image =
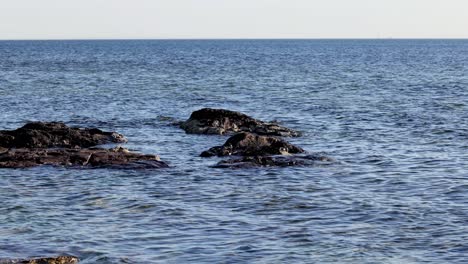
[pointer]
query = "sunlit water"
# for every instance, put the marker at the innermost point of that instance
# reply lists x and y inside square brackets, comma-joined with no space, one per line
[392,113]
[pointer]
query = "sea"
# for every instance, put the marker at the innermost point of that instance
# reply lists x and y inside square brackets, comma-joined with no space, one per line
[393,114]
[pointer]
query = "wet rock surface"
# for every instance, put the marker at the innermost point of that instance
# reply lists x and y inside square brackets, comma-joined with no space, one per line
[55,144]
[53,260]
[275,161]
[56,134]
[263,151]
[118,158]
[221,121]
[249,144]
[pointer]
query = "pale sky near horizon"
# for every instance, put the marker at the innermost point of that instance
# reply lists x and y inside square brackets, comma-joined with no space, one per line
[147,19]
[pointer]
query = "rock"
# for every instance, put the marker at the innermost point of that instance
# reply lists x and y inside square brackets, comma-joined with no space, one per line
[53,143]
[118,158]
[275,161]
[56,134]
[221,121]
[54,260]
[2,150]
[248,144]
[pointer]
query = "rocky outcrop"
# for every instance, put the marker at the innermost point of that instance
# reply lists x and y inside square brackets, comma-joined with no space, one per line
[56,134]
[55,144]
[263,151]
[248,144]
[275,161]
[54,260]
[221,121]
[118,157]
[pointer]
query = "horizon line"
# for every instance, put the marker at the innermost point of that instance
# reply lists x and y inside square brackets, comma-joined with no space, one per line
[169,39]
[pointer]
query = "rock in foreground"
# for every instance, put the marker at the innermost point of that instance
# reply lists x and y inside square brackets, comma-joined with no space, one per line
[55,260]
[56,134]
[221,121]
[275,161]
[248,144]
[118,158]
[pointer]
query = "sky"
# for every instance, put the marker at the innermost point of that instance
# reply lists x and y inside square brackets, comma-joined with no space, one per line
[187,19]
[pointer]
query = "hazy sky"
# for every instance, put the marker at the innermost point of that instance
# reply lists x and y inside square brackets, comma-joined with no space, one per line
[65,19]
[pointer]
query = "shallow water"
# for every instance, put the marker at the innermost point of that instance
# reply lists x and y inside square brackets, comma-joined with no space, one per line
[393,113]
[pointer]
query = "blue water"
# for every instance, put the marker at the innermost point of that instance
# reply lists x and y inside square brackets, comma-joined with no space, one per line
[393,113]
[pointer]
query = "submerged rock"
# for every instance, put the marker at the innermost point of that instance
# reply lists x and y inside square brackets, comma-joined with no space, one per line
[275,161]
[248,144]
[54,260]
[221,121]
[56,134]
[118,157]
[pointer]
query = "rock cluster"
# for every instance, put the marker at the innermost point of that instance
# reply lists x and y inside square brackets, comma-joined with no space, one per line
[221,121]
[56,144]
[256,143]
[53,260]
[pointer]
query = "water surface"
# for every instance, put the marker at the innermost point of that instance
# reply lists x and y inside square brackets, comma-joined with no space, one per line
[393,113]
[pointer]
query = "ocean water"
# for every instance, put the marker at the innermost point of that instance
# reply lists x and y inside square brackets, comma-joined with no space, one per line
[393,113]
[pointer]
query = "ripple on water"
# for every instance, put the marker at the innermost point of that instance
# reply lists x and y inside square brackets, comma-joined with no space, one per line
[390,112]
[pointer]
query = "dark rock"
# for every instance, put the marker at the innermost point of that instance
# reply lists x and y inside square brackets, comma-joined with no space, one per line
[220,121]
[248,144]
[275,161]
[54,260]
[119,158]
[56,134]
[2,150]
